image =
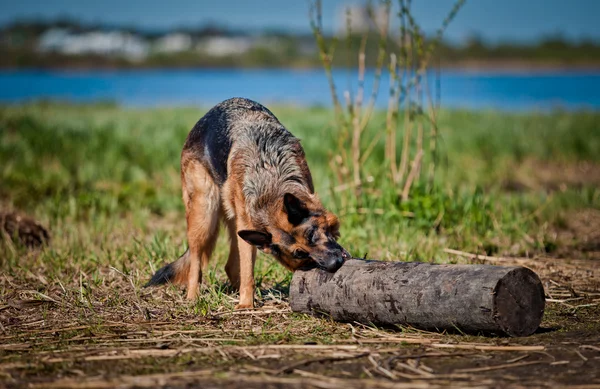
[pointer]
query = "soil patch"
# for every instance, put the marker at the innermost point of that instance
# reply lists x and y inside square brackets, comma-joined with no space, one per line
[81,336]
[551,176]
[579,235]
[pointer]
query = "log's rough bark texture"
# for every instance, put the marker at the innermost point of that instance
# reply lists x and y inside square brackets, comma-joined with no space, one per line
[474,298]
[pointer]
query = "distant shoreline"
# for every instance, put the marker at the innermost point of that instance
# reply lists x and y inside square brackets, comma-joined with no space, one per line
[520,66]
[25,59]
[467,66]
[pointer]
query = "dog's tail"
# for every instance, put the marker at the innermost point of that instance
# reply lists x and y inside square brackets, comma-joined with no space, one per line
[176,272]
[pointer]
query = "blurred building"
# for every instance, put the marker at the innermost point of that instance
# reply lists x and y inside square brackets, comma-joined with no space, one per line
[221,46]
[173,43]
[359,20]
[115,43]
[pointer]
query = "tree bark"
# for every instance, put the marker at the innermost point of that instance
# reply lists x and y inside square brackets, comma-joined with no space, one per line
[472,298]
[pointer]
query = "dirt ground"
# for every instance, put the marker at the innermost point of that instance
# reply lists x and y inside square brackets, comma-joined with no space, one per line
[551,176]
[54,338]
[66,334]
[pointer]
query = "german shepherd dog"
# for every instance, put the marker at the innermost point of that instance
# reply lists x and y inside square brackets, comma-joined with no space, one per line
[240,164]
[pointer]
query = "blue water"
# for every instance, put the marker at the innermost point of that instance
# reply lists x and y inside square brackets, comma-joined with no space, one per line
[475,90]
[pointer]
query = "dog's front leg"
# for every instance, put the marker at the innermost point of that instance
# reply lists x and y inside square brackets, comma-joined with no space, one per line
[247,259]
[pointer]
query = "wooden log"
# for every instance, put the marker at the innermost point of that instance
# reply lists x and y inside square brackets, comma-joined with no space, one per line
[472,298]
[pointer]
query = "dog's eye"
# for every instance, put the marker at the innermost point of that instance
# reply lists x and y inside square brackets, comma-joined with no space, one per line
[300,254]
[311,236]
[275,250]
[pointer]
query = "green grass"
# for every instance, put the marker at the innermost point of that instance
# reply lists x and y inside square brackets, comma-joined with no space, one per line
[106,182]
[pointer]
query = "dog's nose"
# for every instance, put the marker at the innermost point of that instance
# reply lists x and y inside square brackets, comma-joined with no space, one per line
[334,263]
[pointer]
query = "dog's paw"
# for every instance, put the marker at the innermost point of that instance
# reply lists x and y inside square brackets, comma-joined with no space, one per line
[244,306]
[192,294]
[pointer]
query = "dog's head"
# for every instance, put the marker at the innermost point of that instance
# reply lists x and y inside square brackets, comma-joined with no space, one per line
[303,235]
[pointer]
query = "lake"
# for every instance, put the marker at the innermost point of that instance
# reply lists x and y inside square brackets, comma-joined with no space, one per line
[459,89]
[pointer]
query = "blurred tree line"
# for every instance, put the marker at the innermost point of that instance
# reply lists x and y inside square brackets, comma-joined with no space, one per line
[19,48]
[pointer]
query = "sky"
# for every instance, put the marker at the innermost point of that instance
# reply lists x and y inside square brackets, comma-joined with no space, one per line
[493,20]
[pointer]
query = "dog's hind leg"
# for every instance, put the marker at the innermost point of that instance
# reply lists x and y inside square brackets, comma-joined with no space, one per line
[202,203]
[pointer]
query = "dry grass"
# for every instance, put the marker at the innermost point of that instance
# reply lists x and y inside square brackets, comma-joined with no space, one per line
[54,334]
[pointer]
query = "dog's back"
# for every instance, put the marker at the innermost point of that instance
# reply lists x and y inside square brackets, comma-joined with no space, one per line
[241,121]
[262,153]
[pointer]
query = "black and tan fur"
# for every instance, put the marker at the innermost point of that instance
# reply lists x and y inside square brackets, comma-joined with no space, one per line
[241,165]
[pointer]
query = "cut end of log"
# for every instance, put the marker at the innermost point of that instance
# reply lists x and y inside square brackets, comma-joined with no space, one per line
[519,302]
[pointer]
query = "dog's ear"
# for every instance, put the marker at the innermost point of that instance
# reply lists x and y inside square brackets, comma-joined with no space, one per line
[295,208]
[261,240]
